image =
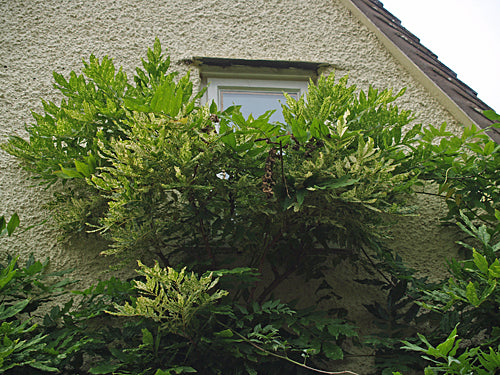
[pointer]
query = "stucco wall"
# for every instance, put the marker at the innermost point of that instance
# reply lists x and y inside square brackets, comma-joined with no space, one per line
[39,36]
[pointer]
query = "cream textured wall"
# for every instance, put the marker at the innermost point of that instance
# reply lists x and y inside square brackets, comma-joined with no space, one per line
[39,36]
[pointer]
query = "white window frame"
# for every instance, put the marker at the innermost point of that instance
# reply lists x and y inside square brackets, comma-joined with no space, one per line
[252,77]
[217,85]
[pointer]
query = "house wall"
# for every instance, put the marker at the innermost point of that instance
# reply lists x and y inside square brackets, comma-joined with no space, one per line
[39,36]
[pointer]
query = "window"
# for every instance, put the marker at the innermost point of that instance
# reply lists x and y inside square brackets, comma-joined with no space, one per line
[254,96]
[256,85]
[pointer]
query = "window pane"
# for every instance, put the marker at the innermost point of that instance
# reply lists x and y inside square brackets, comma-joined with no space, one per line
[255,102]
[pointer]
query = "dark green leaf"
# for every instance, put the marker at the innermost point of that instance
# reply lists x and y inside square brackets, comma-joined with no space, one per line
[12,224]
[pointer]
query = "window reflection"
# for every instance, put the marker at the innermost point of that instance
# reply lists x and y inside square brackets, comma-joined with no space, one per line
[256,102]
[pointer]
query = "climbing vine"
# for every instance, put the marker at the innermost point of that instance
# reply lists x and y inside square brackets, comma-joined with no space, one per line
[142,166]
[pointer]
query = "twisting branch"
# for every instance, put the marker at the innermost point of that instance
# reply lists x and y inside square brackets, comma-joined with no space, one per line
[283,171]
[204,235]
[427,193]
[207,243]
[267,179]
[278,279]
[163,258]
[376,268]
[263,256]
[284,357]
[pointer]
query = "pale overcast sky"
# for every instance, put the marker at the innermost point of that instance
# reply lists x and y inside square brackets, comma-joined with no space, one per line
[464,34]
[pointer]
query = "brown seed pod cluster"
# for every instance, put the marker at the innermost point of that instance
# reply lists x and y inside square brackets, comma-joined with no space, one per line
[312,146]
[211,127]
[296,146]
[267,179]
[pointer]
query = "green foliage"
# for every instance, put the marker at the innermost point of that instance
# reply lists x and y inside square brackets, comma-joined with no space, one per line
[171,298]
[143,160]
[187,325]
[282,198]
[471,298]
[471,294]
[464,166]
[23,343]
[350,146]
[395,319]
[399,316]
[63,141]
[143,167]
[447,359]
[55,341]
[7,227]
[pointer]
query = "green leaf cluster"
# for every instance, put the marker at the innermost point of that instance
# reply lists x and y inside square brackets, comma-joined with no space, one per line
[166,191]
[7,227]
[186,324]
[471,294]
[470,297]
[62,144]
[447,359]
[143,161]
[172,299]
[24,344]
[146,167]
[465,167]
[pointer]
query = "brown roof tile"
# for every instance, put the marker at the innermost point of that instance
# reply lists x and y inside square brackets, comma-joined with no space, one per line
[463,96]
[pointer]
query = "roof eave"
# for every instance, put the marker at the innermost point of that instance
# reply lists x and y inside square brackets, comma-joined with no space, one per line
[356,7]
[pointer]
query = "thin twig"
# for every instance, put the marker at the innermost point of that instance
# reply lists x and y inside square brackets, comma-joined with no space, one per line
[278,279]
[206,242]
[283,171]
[263,256]
[376,268]
[303,365]
[163,258]
[427,193]
[268,140]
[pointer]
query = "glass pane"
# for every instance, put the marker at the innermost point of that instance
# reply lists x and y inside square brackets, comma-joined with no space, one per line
[255,102]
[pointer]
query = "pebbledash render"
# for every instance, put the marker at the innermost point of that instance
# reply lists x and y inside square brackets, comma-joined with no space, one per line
[256,39]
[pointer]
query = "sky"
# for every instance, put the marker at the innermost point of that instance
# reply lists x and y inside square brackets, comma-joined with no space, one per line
[464,34]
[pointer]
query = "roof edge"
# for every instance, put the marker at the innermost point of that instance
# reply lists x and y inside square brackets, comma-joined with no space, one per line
[442,97]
